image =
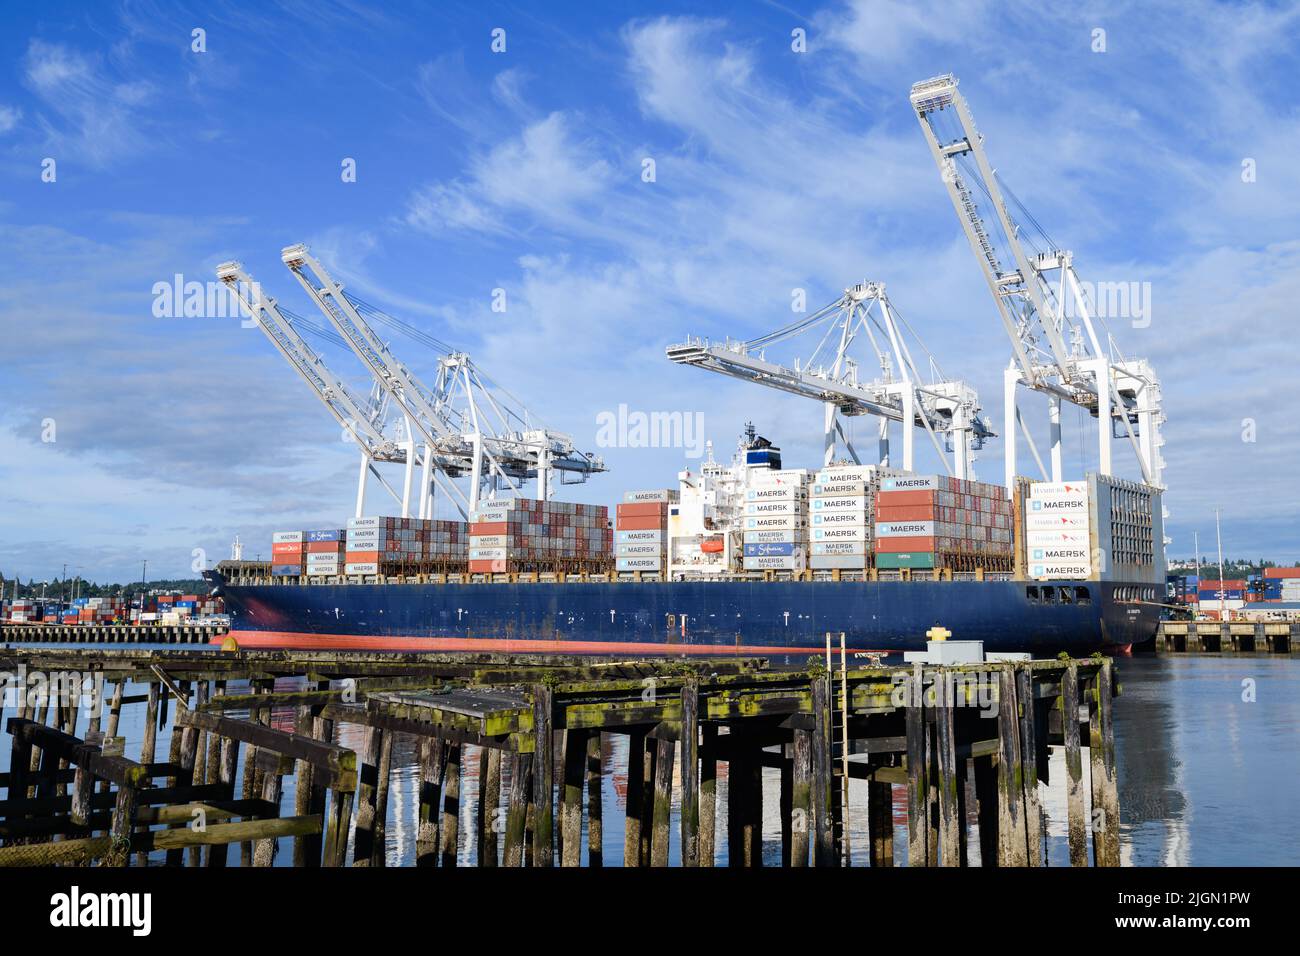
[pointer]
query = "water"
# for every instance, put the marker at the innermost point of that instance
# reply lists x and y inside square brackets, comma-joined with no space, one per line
[1205,773]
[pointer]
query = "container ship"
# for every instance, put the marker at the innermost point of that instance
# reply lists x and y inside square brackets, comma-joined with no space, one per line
[745,557]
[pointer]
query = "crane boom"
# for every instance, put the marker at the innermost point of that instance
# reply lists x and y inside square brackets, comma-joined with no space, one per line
[1035,295]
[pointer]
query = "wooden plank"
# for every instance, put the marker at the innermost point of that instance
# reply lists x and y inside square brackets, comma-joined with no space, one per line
[517,810]
[918,782]
[800,798]
[690,774]
[363,842]
[543,773]
[595,802]
[708,792]
[449,830]
[1025,702]
[946,767]
[1012,848]
[635,797]
[571,796]
[1077,814]
[880,822]
[823,846]
[663,802]
[1101,751]
[339,762]
[432,751]
[489,805]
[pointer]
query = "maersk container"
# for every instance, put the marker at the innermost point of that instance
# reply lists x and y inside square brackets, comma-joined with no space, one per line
[639,551]
[367,567]
[914,483]
[792,563]
[286,537]
[837,488]
[840,519]
[773,537]
[905,529]
[857,503]
[646,536]
[839,548]
[637,564]
[323,535]
[855,533]
[637,497]
[771,550]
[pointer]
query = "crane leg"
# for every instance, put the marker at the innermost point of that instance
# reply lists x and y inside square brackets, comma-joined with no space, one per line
[1054,427]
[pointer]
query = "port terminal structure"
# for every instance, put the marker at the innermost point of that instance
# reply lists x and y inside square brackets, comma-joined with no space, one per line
[1045,309]
[462,426]
[948,411]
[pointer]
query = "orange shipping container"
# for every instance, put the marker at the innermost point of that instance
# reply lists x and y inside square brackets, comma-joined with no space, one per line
[890,499]
[648,523]
[489,527]
[486,567]
[642,509]
[905,512]
[362,557]
[897,545]
[1282,572]
[323,547]
[286,548]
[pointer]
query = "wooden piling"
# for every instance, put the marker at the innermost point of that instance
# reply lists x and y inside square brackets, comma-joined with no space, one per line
[801,811]
[690,771]
[635,797]
[663,801]
[449,831]
[1029,733]
[950,822]
[823,847]
[571,796]
[1101,751]
[431,771]
[1077,815]
[543,769]
[517,810]
[489,803]
[595,797]
[708,793]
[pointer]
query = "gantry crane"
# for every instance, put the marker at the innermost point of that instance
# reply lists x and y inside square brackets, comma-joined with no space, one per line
[1055,353]
[830,375]
[365,420]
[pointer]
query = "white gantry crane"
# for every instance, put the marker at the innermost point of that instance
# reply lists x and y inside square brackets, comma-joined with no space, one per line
[1044,307]
[463,426]
[948,411]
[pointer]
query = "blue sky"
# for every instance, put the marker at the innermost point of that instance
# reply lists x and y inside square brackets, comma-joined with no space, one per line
[521,170]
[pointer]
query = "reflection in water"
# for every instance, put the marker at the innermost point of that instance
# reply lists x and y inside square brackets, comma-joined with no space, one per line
[1205,776]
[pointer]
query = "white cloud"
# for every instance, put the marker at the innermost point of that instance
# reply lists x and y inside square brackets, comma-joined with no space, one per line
[9,117]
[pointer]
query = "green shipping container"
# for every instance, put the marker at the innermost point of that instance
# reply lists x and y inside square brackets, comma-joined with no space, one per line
[910,559]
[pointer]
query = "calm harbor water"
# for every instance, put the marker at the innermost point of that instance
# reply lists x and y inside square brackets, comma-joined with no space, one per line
[1208,751]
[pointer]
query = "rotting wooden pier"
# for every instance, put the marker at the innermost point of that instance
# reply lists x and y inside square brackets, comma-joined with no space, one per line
[967,746]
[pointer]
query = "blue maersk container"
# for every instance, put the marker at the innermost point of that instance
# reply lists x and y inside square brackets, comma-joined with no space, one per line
[776,549]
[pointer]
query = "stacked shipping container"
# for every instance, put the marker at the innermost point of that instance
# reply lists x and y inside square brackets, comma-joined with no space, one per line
[936,521]
[641,531]
[1058,530]
[520,534]
[383,545]
[776,521]
[841,514]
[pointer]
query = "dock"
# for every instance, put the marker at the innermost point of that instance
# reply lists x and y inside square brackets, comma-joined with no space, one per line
[1227,637]
[964,745]
[109,633]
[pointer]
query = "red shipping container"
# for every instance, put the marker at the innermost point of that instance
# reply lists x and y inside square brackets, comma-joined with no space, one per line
[648,523]
[893,498]
[286,548]
[905,512]
[362,557]
[897,545]
[1282,572]
[642,509]
[489,527]
[323,547]
[486,567]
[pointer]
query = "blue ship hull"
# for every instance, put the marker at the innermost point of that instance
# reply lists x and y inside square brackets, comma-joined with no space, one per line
[706,617]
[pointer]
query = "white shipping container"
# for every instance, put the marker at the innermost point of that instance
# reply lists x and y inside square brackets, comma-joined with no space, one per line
[915,483]
[360,523]
[637,564]
[775,523]
[790,492]
[1060,569]
[1056,522]
[856,533]
[286,537]
[1057,539]
[493,514]
[762,477]
[628,537]
[489,541]
[1058,506]
[839,519]
[843,562]
[792,563]
[637,497]
[367,567]
[847,473]
[836,488]
[1058,489]
[1072,554]
[488,554]
[639,550]
[827,548]
[905,529]
[776,507]
[840,503]
[776,537]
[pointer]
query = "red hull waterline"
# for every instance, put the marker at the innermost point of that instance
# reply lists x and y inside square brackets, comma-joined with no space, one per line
[297,641]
